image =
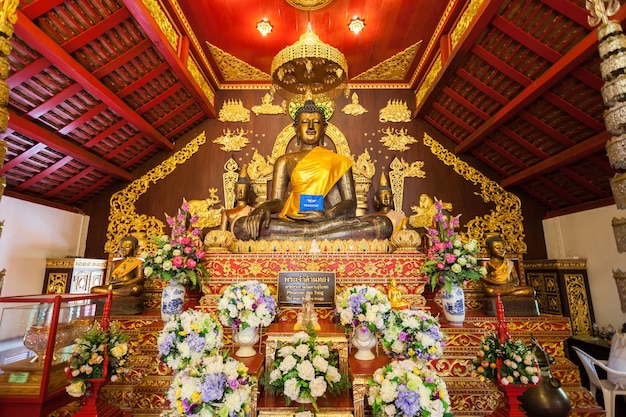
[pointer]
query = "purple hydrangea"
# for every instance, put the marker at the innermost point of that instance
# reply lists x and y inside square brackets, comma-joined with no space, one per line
[408,401]
[212,389]
[195,342]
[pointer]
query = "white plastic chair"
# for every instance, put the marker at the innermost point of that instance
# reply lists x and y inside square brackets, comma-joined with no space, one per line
[609,389]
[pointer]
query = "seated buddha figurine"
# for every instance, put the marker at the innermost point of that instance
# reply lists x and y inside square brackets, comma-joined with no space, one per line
[242,191]
[307,315]
[322,201]
[126,279]
[395,296]
[501,274]
[384,202]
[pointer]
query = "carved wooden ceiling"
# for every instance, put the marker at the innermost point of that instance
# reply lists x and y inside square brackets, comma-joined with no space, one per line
[100,86]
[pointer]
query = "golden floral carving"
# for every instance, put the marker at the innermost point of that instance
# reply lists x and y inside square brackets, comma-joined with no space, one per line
[154,8]
[202,82]
[578,302]
[396,140]
[395,111]
[207,215]
[234,69]
[434,71]
[395,68]
[465,21]
[267,107]
[354,108]
[308,4]
[401,169]
[363,170]
[233,111]
[232,140]
[123,218]
[506,219]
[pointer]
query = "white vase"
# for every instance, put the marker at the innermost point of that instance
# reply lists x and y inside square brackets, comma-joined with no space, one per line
[246,339]
[172,300]
[364,340]
[453,304]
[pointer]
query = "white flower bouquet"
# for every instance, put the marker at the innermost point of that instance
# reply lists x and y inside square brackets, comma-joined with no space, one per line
[413,334]
[87,360]
[185,340]
[408,388]
[217,386]
[362,306]
[247,304]
[303,370]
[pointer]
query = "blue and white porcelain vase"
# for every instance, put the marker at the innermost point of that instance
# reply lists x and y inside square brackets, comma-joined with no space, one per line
[172,300]
[453,303]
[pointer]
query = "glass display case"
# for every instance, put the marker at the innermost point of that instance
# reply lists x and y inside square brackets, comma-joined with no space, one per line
[37,334]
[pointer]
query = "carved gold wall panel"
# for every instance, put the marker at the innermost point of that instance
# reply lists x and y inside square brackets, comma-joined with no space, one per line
[395,68]
[506,219]
[123,218]
[234,69]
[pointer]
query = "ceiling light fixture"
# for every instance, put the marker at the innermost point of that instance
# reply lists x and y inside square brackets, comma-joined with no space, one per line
[264,27]
[356,25]
[309,68]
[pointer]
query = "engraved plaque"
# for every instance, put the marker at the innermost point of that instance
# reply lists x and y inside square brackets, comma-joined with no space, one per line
[293,286]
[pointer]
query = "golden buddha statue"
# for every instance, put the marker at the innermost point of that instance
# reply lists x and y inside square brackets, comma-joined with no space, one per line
[322,201]
[501,273]
[126,277]
[395,296]
[307,315]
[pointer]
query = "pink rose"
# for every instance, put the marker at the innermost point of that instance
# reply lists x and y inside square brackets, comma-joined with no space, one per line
[188,249]
[440,266]
[178,261]
[191,264]
[450,258]
[199,254]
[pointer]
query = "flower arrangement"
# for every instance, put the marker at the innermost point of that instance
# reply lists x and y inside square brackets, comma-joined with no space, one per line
[408,388]
[247,304]
[187,338]
[304,370]
[362,306]
[413,334]
[450,260]
[87,360]
[217,386]
[179,256]
[519,364]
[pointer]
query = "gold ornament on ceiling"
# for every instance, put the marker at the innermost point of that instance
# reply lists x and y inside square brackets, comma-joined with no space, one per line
[308,4]
[234,69]
[234,111]
[309,68]
[267,107]
[396,140]
[395,111]
[232,140]
[354,108]
[394,68]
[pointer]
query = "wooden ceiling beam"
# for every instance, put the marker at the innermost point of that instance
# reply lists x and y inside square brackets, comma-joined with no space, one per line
[135,86]
[96,31]
[39,7]
[31,34]
[92,189]
[119,149]
[150,27]
[504,152]
[580,180]
[484,15]
[18,159]
[453,117]
[581,207]
[174,113]
[183,126]
[76,178]
[105,133]
[542,49]
[139,157]
[55,100]
[28,72]
[82,119]
[161,97]
[574,111]
[52,140]
[123,59]
[570,10]
[44,174]
[571,154]
[532,191]
[573,58]
[442,129]
[559,191]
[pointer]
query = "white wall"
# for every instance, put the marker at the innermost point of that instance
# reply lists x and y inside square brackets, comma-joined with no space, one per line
[589,235]
[31,234]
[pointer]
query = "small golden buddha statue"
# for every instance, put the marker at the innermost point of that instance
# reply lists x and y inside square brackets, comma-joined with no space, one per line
[395,296]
